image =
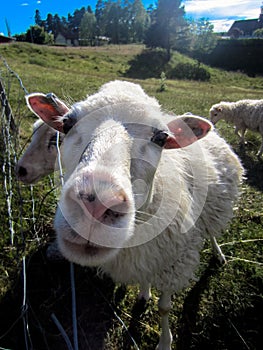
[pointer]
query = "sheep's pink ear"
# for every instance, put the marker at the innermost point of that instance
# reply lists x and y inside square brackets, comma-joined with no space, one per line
[49,108]
[186,130]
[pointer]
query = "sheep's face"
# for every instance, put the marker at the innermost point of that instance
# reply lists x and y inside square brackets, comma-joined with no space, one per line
[110,176]
[40,157]
[97,206]
[216,113]
[111,156]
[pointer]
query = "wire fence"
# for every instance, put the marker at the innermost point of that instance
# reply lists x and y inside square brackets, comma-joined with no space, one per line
[22,227]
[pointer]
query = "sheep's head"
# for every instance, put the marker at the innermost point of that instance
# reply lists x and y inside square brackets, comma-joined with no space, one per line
[216,113]
[40,156]
[111,156]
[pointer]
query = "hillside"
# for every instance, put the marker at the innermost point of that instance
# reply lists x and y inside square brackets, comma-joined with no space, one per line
[224,308]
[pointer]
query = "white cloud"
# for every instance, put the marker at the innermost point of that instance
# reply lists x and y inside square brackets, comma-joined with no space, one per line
[24,4]
[222,14]
[222,25]
[39,2]
[214,9]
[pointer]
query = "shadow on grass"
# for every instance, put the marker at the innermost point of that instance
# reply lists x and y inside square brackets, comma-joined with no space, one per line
[49,292]
[134,332]
[149,64]
[253,166]
[188,320]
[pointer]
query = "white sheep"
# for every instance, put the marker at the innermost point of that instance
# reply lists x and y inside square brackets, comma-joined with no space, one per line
[244,114]
[141,194]
[40,157]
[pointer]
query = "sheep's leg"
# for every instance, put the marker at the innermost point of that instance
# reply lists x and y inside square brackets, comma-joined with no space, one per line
[164,307]
[242,137]
[236,131]
[145,292]
[259,154]
[217,251]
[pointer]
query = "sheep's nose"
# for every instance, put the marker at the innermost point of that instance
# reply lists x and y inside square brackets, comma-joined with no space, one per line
[21,171]
[114,205]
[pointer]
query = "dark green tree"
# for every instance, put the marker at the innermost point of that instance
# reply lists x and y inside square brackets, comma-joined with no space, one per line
[89,9]
[74,24]
[99,14]
[112,18]
[87,31]
[37,35]
[49,24]
[54,24]
[38,20]
[169,26]
[258,33]
[139,21]
[202,36]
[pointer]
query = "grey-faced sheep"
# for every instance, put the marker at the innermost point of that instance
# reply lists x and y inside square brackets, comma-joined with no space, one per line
[141,194]
[40,156]
[244,114]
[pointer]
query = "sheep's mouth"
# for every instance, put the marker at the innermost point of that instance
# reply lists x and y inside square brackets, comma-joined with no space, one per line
[88,248]
[28,180]
[94,249]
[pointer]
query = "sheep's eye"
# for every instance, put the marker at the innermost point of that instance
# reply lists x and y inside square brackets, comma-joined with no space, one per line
[68,122]
[159,137]
[53,141]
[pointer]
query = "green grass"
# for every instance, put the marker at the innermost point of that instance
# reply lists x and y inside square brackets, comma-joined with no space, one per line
[223,310]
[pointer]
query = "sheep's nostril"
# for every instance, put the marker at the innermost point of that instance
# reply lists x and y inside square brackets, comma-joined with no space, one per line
[21,171]
[111,205]
[89,197]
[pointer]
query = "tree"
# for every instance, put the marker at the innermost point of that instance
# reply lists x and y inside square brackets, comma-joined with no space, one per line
[54,25]
[74,24]
[139,21]
[258,33]
[38,20]
[203,38]
[99,11]
[37,35]
[123,21]
[112,15]
[49,24]
[87,31]
[89,9]
[168,27]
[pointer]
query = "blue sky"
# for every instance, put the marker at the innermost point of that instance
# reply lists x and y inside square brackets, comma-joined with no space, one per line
[20,13]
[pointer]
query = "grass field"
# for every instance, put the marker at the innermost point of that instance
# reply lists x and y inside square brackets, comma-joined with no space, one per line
[222,311]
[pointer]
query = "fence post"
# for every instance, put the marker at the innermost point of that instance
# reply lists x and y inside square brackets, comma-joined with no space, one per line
[7,109]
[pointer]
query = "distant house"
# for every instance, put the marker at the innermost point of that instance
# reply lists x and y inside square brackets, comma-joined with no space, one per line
[60,40]
[5,39]
[246,28]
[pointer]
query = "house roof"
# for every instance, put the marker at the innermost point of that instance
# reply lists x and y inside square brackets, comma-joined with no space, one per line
[246,26]
[5,39]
